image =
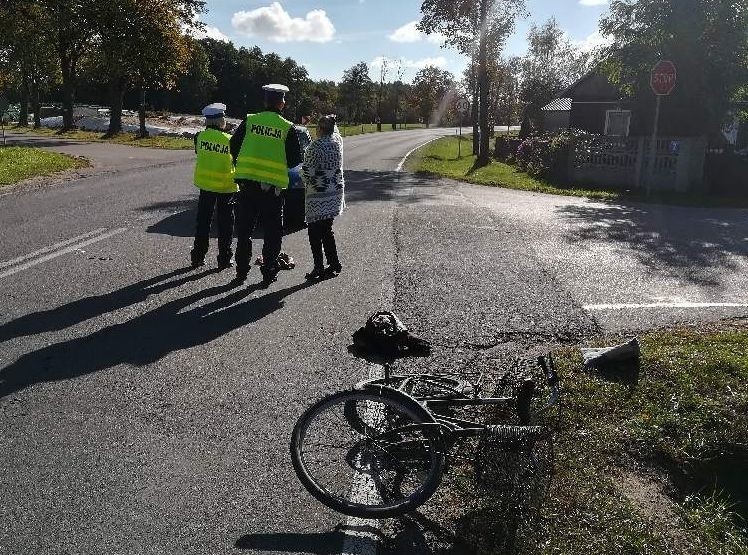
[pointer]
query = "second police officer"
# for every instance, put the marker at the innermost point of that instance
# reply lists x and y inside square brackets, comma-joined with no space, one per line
[263,147]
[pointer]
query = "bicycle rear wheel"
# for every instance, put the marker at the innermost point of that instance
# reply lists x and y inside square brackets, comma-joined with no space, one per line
[387,467]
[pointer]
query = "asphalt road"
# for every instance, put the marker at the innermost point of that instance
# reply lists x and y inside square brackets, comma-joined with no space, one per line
[146,408]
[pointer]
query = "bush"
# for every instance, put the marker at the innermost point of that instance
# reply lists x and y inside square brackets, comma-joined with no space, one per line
[506,147]
[547,156]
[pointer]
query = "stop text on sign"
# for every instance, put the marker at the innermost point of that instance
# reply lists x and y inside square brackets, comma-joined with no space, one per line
[663,78]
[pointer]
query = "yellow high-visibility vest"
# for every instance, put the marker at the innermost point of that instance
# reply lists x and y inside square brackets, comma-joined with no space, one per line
[214,169]
[262,156]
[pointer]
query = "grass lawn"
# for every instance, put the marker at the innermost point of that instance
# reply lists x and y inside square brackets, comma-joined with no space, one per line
[19,163]
[169,143]
[654,463]
[650,462]
[440,158]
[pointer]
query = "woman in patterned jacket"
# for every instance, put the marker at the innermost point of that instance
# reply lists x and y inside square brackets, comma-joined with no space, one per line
[324,186]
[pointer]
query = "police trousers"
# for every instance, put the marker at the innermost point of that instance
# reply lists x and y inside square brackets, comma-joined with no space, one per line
[255,205]
[206,204]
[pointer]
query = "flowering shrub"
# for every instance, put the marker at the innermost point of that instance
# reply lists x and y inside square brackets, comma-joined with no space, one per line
[547,155]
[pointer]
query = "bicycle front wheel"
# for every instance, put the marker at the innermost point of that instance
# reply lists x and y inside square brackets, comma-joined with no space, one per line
[387,467]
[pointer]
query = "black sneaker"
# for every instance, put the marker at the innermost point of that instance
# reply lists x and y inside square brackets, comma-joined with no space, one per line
[197,263]
[268,277]
[241,275]
[316,274]
[333,271]
[225,264]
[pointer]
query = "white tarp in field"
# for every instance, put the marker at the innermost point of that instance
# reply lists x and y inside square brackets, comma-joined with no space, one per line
[101,124]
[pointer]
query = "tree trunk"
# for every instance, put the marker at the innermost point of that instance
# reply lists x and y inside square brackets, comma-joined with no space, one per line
[36,104]
[474,117]
[485,137]
[68,91]
[23,113]
[116,94]
[141,114]
[474,107]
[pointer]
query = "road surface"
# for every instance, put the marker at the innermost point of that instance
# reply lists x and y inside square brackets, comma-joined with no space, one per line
[146,408]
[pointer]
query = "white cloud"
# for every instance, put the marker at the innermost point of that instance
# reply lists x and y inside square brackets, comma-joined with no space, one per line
[593,2]
[592,42]
[410,33]
[211,33]
[276,24]
[406,33]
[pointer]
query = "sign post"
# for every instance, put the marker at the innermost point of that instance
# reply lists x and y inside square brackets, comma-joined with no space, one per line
[3,107]
[463,105]
[662,80]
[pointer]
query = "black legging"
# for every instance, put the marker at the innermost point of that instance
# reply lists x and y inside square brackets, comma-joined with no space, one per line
[321,235]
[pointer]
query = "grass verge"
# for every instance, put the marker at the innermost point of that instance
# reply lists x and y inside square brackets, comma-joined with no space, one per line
[19,163]
[441,158]
[647,461]
[129,139]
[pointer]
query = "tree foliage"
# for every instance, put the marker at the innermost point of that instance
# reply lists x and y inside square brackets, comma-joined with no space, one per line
[433,93]
[551,64]
[72,27]
[478,29]
[27,57]
[356,90]
[706,39]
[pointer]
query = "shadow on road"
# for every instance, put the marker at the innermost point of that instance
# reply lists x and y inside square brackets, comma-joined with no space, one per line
[62,317]
[323,543]
[692,244]
[146,338]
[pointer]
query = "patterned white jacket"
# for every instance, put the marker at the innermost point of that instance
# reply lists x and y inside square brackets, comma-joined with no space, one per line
[322,173]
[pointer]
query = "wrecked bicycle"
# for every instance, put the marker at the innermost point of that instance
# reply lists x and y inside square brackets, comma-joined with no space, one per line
[380,450]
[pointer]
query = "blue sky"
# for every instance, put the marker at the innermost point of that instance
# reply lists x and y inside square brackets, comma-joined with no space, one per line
[329,36]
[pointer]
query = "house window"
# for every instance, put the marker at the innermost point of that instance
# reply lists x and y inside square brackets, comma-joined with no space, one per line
[617,122]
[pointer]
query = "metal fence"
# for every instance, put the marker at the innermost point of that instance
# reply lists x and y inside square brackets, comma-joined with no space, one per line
[625,162]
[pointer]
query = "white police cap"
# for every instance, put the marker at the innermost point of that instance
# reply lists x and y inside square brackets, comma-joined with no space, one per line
[274,87]
[215,110]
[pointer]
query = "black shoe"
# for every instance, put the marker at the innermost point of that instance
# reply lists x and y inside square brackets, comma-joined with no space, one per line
[333,270]
[225,264]
[241,275]
[267,281]
[316,274]
[197,263]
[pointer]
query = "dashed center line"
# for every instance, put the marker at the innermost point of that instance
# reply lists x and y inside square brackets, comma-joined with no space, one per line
[58,249]
[51,248]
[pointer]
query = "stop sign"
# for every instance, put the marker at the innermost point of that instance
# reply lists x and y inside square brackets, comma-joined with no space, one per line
[663,77]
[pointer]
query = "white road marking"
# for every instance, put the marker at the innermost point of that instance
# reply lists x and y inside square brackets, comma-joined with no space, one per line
[51,248]
[55,254]
[359,540]
[402,162]
[626,306]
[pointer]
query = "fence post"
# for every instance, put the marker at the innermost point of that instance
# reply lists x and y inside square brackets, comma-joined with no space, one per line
[640,150]
[571,163]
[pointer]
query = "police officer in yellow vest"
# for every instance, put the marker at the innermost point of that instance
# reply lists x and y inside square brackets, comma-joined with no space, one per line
[214,176]
[264,147]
